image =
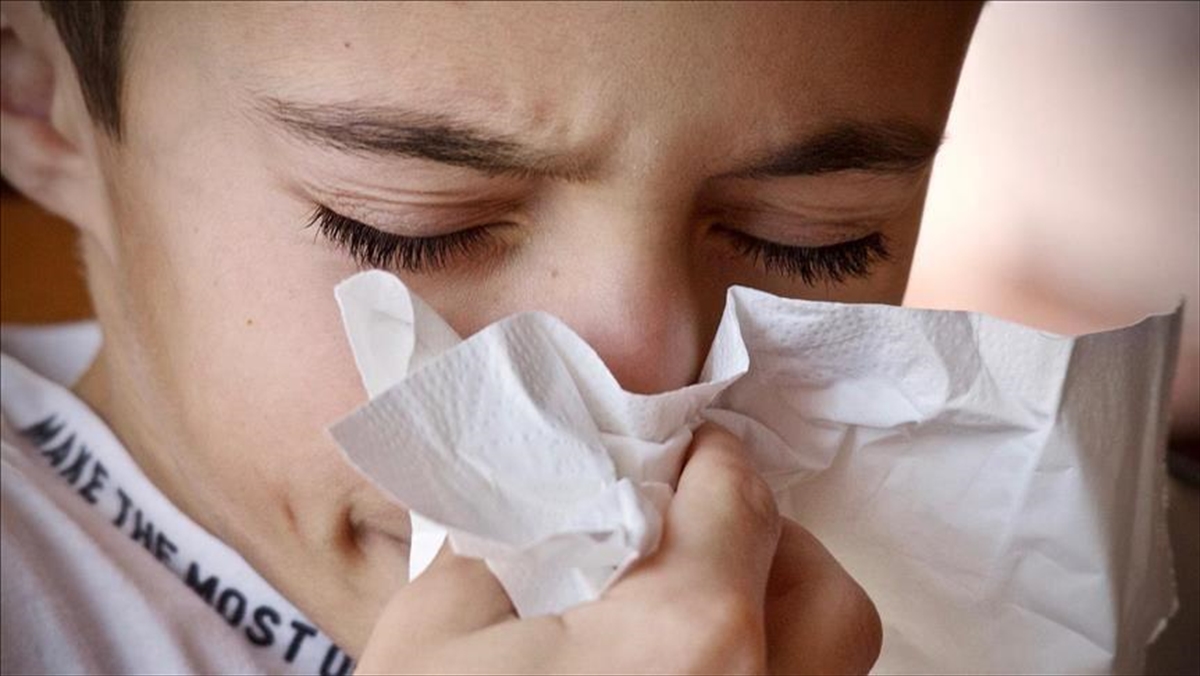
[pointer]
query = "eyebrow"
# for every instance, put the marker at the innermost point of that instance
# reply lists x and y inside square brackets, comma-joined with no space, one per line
[879,147]
[393,132]
[893,147]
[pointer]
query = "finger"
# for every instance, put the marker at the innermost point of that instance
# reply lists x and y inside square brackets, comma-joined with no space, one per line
[454,596]
[465,595]
[819,619]
[722,525]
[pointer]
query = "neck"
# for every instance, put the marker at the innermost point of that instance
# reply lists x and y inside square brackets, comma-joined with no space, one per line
[124,415]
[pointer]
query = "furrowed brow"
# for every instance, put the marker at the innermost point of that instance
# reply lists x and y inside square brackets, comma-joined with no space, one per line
[897,147]
[392,132]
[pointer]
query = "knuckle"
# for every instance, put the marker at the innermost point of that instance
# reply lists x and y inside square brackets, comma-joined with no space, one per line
[760,496]
[754,499]
[734,483]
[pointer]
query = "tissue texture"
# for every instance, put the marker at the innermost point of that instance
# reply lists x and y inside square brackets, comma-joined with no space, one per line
[998,491]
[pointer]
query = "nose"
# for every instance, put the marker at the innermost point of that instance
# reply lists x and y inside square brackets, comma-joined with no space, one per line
[632,294]
[644,327]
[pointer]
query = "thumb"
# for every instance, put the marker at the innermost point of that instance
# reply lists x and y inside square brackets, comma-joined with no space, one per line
[454,596]
[722,526]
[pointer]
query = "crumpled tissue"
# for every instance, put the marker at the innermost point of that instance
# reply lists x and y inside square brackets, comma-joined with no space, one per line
[998,491]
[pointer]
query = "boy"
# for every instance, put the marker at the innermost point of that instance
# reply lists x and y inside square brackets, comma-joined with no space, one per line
[619,166]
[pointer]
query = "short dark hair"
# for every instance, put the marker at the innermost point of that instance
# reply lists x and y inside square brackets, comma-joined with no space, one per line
[91,31]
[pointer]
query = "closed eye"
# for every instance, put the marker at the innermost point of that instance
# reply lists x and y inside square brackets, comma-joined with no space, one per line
[834,263]
[375,248]
[372,247]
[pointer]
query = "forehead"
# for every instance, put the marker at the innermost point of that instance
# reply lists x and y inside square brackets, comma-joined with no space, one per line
[578,73]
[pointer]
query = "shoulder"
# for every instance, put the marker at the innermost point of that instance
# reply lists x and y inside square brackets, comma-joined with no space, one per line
[77,595]
[40,624]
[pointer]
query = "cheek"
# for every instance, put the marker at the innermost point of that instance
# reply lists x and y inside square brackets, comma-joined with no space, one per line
[250,356]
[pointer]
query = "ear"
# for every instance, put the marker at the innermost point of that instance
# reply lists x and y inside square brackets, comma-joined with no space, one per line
[48,146]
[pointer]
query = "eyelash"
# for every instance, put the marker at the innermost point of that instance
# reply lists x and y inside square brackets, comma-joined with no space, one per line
[374,248]
[834,263]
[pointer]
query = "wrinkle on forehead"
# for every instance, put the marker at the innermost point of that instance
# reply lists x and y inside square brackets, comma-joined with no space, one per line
[644,82]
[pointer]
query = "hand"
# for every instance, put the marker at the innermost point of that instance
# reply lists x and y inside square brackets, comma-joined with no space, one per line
[733,588]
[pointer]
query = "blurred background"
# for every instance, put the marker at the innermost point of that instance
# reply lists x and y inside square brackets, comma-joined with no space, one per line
[1067,192]
[1066,196]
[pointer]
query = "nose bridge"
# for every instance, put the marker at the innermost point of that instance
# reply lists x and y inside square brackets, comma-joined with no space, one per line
[636,304]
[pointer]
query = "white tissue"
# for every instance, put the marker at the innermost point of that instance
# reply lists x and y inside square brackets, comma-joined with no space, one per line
[998,491]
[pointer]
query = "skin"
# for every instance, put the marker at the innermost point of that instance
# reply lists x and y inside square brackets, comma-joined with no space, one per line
[224,356]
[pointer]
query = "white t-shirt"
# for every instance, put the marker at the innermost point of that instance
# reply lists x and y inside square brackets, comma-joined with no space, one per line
[101,573]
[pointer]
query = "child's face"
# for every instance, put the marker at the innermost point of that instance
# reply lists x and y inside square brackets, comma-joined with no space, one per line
[225,358]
